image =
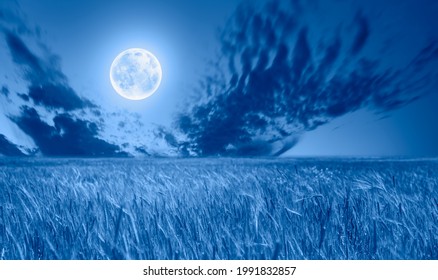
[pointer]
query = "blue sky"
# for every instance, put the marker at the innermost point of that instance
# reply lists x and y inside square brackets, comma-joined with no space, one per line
[88,35]
[341,78]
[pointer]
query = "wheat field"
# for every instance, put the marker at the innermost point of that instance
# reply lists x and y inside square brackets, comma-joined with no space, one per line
[218,209]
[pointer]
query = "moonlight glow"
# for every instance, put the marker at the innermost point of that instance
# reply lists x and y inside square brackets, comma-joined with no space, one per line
[135,74]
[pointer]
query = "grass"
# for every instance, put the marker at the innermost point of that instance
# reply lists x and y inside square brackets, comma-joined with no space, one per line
[218,209]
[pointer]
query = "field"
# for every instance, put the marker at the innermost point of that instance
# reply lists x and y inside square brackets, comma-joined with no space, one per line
[218,209]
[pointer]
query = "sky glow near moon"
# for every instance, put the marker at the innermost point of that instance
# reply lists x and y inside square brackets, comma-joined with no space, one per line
[343,73]
[135,74]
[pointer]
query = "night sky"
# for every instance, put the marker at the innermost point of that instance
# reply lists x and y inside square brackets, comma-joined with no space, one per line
[255,78]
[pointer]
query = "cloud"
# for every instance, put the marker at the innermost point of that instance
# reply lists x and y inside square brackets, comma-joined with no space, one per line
[278,77]
[68,136]
[4,91]
[48,85]
[362,35]
[24,96]
[12,18]
[22,56]
[49,93]
[54,96]
[7,148]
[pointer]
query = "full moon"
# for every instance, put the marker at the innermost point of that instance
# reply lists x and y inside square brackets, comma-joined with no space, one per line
[135,74]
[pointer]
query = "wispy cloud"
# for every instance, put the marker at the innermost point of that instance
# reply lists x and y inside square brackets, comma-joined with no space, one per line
[48,85]
[48,90]
[69,136]
[278,77]
[363,32]
[8,148]
[60,121]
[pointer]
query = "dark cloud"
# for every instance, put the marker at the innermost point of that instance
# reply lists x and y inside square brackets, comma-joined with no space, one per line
[22,56]
[7,148]
[142,151]
[48,85]
[49,89]
[302,55]
[363,32]
[11,18]
[68,137]
[57,96]
[169,138]
[283,78]
[427,54]
[175,146]
[4,91]
[23,96]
